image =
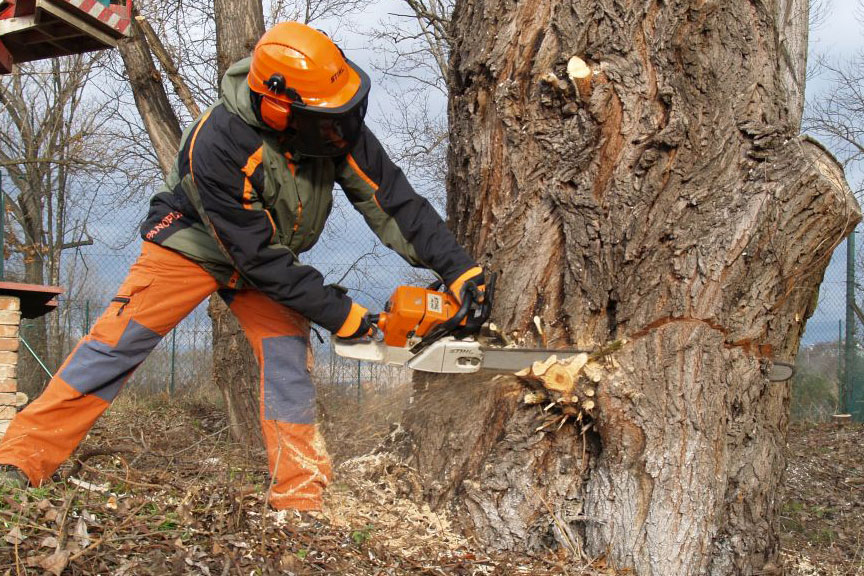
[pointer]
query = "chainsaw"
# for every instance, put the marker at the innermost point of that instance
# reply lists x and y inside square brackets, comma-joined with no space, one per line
[431,331]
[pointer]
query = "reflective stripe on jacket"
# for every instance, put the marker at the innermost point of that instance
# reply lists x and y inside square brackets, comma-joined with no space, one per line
[239,203]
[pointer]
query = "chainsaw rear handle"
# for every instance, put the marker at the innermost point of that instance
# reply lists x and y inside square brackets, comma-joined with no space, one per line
[475,299]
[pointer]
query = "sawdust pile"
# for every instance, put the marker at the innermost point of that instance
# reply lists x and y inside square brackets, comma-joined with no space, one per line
[160,489]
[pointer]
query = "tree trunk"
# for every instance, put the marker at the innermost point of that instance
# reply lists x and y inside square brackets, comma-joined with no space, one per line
[32,377]
[668,202]
[239,25]
[151,99]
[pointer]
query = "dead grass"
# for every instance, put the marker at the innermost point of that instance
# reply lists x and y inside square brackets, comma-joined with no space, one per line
[158,488]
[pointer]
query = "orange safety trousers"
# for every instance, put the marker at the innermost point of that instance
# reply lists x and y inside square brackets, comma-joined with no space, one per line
[161,289]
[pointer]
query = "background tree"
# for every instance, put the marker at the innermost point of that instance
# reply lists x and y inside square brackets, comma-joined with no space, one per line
[413,50]
[837,112]
[667,201]
[63,172]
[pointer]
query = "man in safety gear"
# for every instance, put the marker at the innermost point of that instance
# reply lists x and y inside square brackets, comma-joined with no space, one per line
[251,188]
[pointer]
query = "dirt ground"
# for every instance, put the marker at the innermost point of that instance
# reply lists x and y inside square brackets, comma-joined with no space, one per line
[158,488]
[822,518]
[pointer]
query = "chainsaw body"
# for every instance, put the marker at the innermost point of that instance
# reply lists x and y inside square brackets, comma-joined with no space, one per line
[412,312]
[416,317]
[426,329]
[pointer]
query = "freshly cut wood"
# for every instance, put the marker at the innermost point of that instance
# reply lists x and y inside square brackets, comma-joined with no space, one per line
[540,368]
[576,363]
[577,69]
[534,398]
[594,372]
[559,378]
[524,372]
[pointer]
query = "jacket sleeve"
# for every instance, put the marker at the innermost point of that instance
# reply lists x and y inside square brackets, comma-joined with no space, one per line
[224,180]
[401,218]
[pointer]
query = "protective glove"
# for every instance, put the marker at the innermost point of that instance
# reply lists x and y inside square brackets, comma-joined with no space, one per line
[472,278]
[357,324]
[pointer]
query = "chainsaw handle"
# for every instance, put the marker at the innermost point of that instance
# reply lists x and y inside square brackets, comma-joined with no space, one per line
[448,326]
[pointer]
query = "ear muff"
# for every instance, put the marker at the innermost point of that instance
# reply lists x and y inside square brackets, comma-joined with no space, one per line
[275,113]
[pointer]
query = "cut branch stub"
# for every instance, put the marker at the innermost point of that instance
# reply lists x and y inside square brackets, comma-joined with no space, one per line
[559,379]
[565,386]
[580,75]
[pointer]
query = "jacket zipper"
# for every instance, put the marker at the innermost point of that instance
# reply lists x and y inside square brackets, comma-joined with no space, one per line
[299,212]
[293,169]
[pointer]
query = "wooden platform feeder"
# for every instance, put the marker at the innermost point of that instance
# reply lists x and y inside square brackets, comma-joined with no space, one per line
[36,29]
[17,301]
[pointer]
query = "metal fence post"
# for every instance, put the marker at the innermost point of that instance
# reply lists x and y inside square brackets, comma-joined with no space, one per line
[173,357]
[358,382]
[332,362]
[840,365]
[849,364]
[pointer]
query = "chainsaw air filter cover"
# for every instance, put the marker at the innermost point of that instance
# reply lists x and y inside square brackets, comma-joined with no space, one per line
[412,311]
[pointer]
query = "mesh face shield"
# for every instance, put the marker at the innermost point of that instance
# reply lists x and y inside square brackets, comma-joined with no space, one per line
[320,131]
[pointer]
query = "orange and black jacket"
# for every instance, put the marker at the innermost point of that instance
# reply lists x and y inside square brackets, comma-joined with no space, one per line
[243,206]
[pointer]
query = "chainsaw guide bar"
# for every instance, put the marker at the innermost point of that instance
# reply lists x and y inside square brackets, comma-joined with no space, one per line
[448,356]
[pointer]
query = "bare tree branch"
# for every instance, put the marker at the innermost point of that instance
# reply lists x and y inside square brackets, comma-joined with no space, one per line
[168,66]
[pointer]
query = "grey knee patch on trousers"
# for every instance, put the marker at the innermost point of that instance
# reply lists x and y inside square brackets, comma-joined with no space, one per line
[289,394]
[99,369]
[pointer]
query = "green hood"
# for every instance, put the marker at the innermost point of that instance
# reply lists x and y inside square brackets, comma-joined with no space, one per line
[236,93]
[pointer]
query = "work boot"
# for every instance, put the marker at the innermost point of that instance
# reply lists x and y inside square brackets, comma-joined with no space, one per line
[11,477]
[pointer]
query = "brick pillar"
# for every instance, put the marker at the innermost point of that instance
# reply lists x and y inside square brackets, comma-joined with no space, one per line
[10,321]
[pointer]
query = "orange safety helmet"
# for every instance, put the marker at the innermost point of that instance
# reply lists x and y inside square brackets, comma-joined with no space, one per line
[306,87]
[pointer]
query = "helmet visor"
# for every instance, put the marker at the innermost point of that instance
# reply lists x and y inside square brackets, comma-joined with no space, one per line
[320,131]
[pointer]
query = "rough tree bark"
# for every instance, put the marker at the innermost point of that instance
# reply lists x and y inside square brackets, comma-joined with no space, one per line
[667,201]
[239,25]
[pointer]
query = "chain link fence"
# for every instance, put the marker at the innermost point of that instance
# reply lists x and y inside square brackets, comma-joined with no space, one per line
[350,255]
[347,253]
[829,377]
